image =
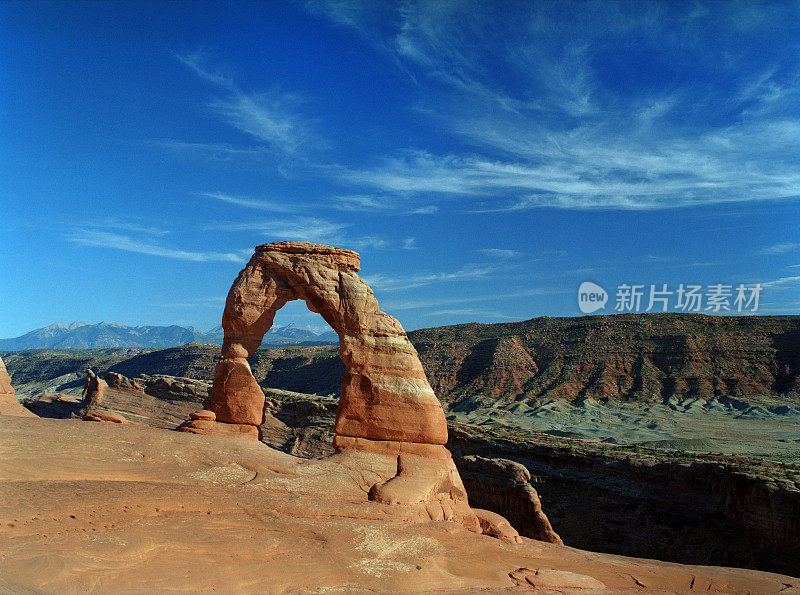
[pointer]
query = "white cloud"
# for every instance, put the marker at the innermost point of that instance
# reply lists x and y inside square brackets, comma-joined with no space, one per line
[311,229]
[782,281]
[215,151]
[781,248]
[271,117]
[115,224]
[388,283]
[250,203]
[102,239]
[360,202]
[499,253]
[558,135]
[409,244]
[374,242]
[393,204]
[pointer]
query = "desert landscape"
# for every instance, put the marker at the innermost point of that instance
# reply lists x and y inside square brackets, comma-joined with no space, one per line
[400,296]
[355,489]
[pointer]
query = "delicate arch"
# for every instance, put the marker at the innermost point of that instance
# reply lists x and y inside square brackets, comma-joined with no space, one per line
[385,394]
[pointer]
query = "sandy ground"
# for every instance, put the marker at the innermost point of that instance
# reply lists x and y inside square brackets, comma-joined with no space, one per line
[719,426]
[103,507]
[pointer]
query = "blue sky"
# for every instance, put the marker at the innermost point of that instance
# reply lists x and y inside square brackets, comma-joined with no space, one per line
[484,158]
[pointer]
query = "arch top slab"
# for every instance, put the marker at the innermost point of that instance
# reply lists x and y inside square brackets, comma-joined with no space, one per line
[342,256]
[385,394]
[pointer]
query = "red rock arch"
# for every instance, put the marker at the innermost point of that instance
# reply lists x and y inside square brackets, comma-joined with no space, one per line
[390,424]
[385,394]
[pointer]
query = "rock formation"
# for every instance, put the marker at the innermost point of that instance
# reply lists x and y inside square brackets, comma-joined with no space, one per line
[5,380]
[386,408]
[501,484]
[159,401]
[130,508]
[100,415]
[9,405]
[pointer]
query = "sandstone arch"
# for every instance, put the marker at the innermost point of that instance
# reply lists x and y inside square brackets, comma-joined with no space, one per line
[385,394]
[390,425]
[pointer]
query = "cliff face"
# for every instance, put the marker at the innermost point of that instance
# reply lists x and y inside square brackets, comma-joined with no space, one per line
[643,357]
[706,511]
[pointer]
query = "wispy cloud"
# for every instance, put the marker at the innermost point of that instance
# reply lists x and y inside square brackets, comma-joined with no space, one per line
[270,117]
[103,239]
[215,151]
[782,281]
[379,204]
[374,242]
[115,224]
[499,253]
[781,248]
[388,283]
[251,203]
[563,135]
[311,229]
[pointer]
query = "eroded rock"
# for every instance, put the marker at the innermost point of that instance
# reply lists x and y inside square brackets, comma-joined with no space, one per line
[9,404]
[99,415]
[387,410]
[5,380]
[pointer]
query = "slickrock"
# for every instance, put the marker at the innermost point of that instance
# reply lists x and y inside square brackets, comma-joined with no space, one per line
[130,508]
[173,399]
[99,415]
[205,426]
[385,394]
[557,580]
[494,525]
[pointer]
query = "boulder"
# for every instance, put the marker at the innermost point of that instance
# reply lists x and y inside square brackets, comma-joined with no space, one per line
[99,415]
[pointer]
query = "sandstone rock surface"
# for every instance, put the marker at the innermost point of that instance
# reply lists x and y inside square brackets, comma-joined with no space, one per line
[235,395]
[159,401]
[505,485]
[127,508]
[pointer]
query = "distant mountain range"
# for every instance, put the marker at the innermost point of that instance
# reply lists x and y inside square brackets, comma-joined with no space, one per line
[81,335]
